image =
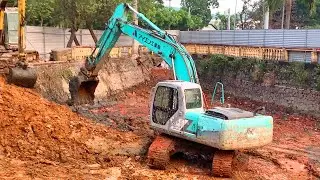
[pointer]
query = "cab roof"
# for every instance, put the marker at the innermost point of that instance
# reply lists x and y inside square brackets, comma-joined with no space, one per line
[179,83]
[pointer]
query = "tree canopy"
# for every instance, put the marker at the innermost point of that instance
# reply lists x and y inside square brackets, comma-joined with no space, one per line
[200,8]
[94,13]
[301,14]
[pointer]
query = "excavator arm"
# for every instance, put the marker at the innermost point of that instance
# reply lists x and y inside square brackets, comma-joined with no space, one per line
[82,87]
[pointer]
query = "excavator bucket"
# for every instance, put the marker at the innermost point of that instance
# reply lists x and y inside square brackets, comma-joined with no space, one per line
[82,91]
[24,77]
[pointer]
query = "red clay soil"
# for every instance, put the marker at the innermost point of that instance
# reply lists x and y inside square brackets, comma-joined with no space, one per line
[40,139]
[35,130]
[294,153]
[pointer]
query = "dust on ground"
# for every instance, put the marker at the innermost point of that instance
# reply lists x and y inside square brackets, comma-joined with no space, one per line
[40,139]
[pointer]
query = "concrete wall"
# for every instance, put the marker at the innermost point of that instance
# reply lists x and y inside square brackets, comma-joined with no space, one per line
[302,100]
[116,75]
[45,39]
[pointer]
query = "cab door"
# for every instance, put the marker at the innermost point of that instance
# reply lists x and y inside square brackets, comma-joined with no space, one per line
[165,105]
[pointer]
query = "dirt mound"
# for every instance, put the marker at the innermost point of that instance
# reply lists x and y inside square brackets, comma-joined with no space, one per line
[34,128]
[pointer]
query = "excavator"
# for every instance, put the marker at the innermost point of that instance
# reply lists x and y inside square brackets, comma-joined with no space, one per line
[21,74]
[177,109]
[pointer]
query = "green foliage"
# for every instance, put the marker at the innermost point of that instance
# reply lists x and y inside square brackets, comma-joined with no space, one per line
[168,18]
[12,3]
[40,12]
[200,8]
[94,14]
[222,25]
[299,74]
[294,74]
[318,78]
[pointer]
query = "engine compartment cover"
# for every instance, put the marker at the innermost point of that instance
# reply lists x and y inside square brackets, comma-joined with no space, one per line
[229,113]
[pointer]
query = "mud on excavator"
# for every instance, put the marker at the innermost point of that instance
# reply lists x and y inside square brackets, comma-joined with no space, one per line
[177,108]
[20,74]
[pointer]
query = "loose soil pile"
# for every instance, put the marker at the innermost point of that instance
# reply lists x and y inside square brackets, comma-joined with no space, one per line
[34,128]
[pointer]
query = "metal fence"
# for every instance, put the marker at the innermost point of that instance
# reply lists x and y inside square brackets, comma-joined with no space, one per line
[259,38]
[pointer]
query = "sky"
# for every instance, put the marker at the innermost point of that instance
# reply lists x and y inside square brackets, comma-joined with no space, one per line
[224,5]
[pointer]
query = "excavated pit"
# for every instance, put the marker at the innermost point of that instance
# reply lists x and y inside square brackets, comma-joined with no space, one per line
[40,139]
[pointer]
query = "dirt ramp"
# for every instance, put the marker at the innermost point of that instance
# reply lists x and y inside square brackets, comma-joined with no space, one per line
[34,128]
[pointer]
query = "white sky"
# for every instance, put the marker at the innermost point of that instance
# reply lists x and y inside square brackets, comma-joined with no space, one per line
[224,5]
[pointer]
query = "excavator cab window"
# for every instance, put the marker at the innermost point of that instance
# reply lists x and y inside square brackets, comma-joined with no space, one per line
[165,104]
[193,98]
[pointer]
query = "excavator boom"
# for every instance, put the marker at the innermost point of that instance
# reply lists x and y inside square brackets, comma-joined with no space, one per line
[82,87]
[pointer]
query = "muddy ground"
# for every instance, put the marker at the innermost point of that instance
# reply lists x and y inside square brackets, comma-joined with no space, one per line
[42,140]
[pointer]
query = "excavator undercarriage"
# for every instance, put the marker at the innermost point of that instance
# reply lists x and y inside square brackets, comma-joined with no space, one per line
[164,146]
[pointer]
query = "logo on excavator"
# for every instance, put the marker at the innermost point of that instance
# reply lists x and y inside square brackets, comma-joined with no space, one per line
[146,40]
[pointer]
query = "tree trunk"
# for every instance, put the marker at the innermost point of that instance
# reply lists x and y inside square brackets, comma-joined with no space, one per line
[94,37]
[73,37]
[41,22]
[288,13]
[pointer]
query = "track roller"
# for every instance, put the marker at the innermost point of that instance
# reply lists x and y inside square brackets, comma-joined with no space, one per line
[160,151]
[222,163]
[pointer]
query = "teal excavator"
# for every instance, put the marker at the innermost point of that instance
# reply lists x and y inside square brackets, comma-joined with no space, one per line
[177,108]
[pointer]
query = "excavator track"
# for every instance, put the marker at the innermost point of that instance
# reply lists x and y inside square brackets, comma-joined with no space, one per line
[160,151]
[222,163]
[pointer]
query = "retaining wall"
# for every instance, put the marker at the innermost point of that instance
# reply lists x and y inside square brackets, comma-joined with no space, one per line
[116,75]
[301,100]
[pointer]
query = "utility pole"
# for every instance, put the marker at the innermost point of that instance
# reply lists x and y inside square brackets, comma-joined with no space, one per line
[135,44]
[235,15]
[189,14]
[229,19]
[266,15]
[282,18]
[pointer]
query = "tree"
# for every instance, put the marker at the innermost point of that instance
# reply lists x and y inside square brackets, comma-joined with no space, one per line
[222,21]
[273,5]
[12,3]
[40,12]
[200,8]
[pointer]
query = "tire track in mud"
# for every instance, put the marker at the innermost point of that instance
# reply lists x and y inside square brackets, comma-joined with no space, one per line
[292,159]
[310,152]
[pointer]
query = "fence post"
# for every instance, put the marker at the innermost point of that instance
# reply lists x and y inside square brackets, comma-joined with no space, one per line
[81,37]
[307,38]
[44,42]
[64,37]
[264,38]
[283,38]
